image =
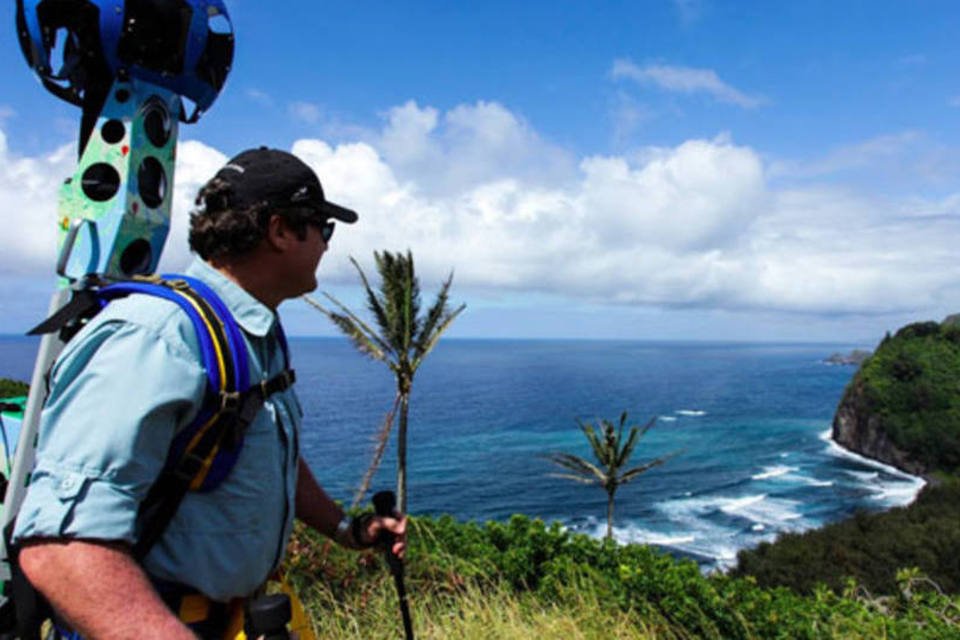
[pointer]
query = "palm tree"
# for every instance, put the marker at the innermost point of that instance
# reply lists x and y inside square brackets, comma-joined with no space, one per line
[612,454]
[401,339]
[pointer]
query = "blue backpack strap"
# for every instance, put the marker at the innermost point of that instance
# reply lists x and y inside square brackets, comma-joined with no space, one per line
[204,452]
[219,461]
[225,372]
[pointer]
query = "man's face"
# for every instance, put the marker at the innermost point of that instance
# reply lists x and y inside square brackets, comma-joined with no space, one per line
[301,259]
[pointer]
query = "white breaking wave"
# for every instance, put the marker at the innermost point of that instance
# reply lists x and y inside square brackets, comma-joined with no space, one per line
[773,472]
[784,473]
[690,412]
[667,419]
[893,493]
[813,482]
[639,535]
[760,508]
[764,510]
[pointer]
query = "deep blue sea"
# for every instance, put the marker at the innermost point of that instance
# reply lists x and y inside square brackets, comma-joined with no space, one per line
[751,421]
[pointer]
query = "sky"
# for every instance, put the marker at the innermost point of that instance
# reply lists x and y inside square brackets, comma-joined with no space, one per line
[655,170]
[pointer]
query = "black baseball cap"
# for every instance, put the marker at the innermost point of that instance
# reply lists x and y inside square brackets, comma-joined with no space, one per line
[279,179]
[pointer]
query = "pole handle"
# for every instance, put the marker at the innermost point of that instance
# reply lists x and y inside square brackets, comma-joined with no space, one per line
[71,239]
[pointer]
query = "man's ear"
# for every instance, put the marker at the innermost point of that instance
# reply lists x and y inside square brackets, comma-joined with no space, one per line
[278,235]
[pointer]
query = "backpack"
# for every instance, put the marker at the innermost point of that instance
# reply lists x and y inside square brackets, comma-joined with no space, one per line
[204,452]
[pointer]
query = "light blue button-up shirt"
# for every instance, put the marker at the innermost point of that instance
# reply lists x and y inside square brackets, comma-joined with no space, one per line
[120,391]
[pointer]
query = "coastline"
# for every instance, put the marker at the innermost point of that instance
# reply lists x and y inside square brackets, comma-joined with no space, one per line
[836,449]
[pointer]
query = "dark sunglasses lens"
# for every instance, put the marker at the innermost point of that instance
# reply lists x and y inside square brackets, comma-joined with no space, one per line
[327,231]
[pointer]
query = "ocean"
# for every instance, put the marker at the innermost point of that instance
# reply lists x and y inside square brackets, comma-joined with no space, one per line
[751,423]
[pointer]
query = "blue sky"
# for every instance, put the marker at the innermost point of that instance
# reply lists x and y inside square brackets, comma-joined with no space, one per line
[655,170]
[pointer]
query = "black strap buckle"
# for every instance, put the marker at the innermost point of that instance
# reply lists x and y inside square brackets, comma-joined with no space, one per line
[230,401]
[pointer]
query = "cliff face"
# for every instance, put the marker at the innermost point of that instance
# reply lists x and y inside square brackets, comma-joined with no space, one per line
[860,430]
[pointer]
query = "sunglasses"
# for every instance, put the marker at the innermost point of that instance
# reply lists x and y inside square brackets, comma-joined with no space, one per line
[326,229]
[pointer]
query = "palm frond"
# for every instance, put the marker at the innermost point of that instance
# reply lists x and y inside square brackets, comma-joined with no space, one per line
[374,304]
[412,301]
[392,297]
[383,436]
[629,475]
[437,311]
[575,478]
[424,350]
[367,329]
[632,439]
[577,465]
[359,333]
[593,438]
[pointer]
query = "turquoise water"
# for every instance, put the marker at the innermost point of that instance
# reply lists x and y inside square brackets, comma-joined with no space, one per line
[751,422]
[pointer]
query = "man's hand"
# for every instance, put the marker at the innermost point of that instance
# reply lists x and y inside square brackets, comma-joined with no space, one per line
[394,526]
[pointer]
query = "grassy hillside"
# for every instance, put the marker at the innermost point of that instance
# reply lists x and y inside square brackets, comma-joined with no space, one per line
[524,579]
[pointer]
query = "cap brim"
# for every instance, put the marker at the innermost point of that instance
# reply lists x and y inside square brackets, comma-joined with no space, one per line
[340,213]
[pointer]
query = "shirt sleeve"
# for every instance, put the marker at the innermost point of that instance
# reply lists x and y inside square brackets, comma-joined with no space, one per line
[117,399]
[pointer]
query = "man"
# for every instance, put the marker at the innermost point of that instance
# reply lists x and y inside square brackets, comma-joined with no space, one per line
[133,377]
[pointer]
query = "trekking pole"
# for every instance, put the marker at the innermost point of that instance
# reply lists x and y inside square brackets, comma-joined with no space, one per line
[385,503]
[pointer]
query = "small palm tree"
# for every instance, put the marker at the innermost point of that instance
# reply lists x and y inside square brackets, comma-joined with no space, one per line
[402,339]
[612,454]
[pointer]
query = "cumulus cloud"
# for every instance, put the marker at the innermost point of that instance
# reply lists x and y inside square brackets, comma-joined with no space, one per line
[28,207]
[468,145]
[689,80]
[697,225]
[196,163]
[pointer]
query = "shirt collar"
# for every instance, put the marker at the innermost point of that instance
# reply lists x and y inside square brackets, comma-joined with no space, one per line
[251,314]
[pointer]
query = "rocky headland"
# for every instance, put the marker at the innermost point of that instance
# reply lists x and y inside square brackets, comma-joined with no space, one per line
[902,406]
[860,429]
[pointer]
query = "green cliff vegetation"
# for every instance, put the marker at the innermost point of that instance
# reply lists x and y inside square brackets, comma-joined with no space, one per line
[524,579]
[13,388]
[870,548]
[912,384]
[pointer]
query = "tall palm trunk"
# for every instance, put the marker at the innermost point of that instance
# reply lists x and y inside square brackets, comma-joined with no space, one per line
[609,515]
[402,453]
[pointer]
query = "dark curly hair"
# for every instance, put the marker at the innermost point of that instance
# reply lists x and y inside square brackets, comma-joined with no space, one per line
[217,230]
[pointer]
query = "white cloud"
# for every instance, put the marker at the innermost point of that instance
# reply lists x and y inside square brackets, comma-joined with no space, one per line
[907,160]
[685,80]
[866,153]
[628,115]
[262,98]
[196,163]
[468,145]
[305,112]
[28,207]
[697,224]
